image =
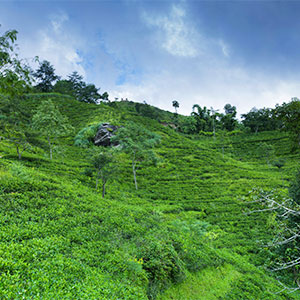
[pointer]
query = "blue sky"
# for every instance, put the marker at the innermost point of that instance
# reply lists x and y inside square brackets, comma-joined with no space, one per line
[196,52]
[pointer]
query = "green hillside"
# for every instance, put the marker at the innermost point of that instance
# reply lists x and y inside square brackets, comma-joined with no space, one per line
[183,234]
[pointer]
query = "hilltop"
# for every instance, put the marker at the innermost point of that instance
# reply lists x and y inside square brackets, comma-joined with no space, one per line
[183,234]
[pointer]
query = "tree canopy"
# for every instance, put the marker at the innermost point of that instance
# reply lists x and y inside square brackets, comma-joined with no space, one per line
[50,122]
[45,76]
[138,143]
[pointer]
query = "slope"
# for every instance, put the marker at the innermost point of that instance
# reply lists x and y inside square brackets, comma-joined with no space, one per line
[60,240]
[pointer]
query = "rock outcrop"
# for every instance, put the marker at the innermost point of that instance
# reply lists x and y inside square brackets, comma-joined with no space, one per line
[104,134]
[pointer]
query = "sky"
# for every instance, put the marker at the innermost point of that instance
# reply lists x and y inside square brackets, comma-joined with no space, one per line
[209,53]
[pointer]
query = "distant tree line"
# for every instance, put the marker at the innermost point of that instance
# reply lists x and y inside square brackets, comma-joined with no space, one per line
[48,81]
[17,79]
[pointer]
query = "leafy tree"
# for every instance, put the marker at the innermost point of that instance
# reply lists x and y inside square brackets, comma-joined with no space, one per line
[260,120]
[138,143]
[105,96]
[175,105]
[228,120]
[82,91]
[104,166]
[15,131]
[187,125]
[202,117]
[76,87]
[64,87]
[50,122]
[285,244]
[289,115]
[89,93]
[45,75]
[15,80]
[14,74]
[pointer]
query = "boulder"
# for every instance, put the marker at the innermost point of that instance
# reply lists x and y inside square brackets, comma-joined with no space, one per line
[104,134]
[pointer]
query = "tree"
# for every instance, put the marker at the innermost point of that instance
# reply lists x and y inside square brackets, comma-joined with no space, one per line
[50,122]
[82,91]
[203,119]
[289,115]
[138,143]
[187,125]
[64,87]
[104,165]
[14,74]
[175,105]
[228,120]
[285,245]
[105,96]
[260,120]
[89,94]
[45,75]
[15,80]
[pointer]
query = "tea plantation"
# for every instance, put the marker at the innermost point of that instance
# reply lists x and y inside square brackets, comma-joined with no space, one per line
[184,234]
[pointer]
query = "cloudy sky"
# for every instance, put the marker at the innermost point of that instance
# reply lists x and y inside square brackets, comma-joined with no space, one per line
[196,52]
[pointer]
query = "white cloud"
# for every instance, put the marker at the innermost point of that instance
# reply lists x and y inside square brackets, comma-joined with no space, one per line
[58,20]
[220,86]
[224,47]
[177,36]
[56,44]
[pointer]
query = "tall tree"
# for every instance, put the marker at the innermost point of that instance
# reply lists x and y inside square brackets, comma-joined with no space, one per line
[289,115]
[175,105]
[45,76]
[228,120]
[138,143]
[203,119]
[260,120]
[284,246]
[50,122]
[14,74]
[15,80]
[104,166]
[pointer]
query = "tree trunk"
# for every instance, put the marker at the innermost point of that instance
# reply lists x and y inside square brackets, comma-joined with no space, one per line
[103,189]
[97,179]
[50,148]
[19,153]
[134,171]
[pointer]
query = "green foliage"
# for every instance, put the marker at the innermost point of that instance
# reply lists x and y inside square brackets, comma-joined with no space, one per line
[279,163]
[14,74]
[85,137]
[289,115]
[175,104]
[183,232]
[138,143]
[294,190]
[187,125]
[50,122]
[266,151]
[260,120]
[202,117]
[228,120]
[45,75]
[104,164]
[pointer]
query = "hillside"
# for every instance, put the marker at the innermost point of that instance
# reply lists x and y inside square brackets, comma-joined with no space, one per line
[183,234]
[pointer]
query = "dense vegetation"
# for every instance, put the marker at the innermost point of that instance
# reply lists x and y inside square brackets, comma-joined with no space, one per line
[188,231]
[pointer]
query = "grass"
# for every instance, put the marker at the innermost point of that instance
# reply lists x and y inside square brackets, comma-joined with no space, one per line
[183,234]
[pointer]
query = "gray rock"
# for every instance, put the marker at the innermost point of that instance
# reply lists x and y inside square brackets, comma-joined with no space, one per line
[104,135]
